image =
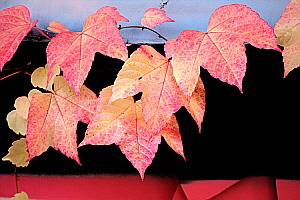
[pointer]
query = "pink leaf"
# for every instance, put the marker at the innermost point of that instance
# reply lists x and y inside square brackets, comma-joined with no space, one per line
[169,47]
[221,49]
[53,118]
[14,26]
[74,51]
[154,17]
[113,13]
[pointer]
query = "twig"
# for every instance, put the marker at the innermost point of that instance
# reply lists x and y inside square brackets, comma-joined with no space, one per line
[163,4]
[16,180]
[41,32]
[144,27]
[10,75]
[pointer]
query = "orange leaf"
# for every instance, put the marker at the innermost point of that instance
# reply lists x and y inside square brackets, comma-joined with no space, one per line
[14,26]
[57,27]
[154,17]
[196,106]
[221,49]
[113,13]
[149,72]
[74,51]
[105,127]
[172,136]
[287,30]
[139,145]
[53,118]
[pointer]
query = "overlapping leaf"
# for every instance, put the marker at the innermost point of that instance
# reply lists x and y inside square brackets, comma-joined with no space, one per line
[221,49]
[57,27]
[20,196]
[287,30]
[122,123]
[149,72]
[14,26]
[154,17]
[40,75]
[18,154]
[53,118]
[74,51]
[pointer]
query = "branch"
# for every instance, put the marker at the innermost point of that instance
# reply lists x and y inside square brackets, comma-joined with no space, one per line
[144,27]
[163,4]
[41,32]
[10,75]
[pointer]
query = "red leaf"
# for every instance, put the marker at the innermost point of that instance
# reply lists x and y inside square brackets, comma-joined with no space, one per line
[287,30]
[169,47]
[154,17]
[57,27]
[139,144]
[172,136]
[74,51]
[221,49]
[149,72]
[53,118]
[113,13]
[14,26]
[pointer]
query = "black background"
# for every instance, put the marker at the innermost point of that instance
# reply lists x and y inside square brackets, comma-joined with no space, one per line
[243,134]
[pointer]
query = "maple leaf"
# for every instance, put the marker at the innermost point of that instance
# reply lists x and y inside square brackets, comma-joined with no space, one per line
[196,105]
[149,72]
[74,51]
[154,17]
[139,144]
[105,127]
[57,27]
[14,26]
[18,154]
[221,49]
[53,118]
[172,136]
[113,13]
[287,30]
[20,196]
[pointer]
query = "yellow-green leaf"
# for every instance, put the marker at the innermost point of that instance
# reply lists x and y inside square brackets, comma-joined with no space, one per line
[20,196]
[40,75]
[16,123]
[17,153]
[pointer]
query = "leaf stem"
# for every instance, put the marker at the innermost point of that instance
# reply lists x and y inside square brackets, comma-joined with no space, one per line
[144,27]
[41,32]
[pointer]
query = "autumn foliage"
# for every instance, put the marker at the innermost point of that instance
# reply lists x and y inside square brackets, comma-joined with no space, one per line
[50,114]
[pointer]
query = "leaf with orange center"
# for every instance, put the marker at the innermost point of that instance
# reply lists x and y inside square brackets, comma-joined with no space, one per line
[154,17]
[74,51]
[196,106]
[53,118]
[221,50]
[105,126]
[14,26]
[113,13]
[139,144]
[149,72]
[287,30]
[172,136]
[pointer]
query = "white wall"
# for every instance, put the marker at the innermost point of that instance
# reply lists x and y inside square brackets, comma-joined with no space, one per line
[188,14]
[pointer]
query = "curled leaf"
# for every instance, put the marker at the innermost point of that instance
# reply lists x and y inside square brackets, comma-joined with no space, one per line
[154,17]
[57,27]
[17,153]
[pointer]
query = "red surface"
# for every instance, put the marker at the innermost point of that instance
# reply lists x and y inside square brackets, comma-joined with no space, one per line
[152,188]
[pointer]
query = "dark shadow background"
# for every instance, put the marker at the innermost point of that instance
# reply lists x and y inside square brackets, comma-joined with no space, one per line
[243,134]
